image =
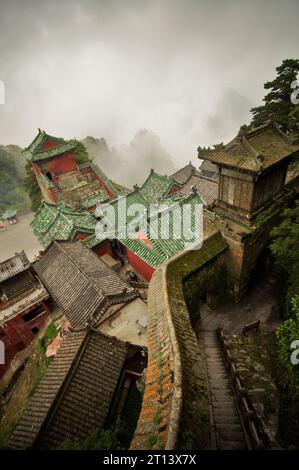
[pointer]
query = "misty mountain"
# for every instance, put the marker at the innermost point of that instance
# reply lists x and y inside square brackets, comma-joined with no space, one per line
[131,163]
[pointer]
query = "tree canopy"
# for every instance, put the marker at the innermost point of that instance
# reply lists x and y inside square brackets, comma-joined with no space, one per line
[12,194]
[285,248]
[278,99]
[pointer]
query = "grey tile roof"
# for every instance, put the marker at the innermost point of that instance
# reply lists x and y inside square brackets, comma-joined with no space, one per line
[12,266]
[74,397]
[80,283]
[207,189]
[253,150]
[182,175]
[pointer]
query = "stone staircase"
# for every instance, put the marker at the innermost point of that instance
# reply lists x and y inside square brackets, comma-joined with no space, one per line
[227,429]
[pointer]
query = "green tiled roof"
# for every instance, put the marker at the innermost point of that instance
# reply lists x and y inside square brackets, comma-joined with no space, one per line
[161,249]
[59,222]
[34,151]
[53,152]
[156,186]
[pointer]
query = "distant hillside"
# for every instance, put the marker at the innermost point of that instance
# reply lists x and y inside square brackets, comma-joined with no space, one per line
[131,163]
[12,173]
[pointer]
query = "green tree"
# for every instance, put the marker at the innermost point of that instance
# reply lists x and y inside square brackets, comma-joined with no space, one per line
[286,333]
[31,186]
[12,194]
[107,439]
[293,120]
[285,248]
[81,152]
[278,99]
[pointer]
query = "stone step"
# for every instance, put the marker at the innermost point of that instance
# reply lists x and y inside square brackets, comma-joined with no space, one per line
[219,382]
[235,436]
[230,428]
[225,420]
[231,445]
[215,369]
[222,395]
[222,411]
[229,432]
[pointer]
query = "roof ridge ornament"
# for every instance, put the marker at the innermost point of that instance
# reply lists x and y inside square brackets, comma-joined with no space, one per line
[193,190]
[219,146]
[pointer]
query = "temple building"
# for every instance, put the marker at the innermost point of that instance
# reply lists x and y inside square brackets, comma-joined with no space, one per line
[252,170]
[87,388]
[251,194]
[23,306]
[61,178]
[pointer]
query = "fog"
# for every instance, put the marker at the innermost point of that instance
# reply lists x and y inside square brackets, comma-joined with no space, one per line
[189,71]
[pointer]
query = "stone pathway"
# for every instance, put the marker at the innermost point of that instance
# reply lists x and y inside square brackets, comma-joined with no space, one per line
[228,431]
[261,303]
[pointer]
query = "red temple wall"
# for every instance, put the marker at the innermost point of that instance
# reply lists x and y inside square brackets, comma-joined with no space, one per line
[16,335]
[48,194]
[60,165]
[81,236]
[103,248]
[140,266]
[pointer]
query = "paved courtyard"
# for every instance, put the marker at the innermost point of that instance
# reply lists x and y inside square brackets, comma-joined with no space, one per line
[261,303]
[19,237]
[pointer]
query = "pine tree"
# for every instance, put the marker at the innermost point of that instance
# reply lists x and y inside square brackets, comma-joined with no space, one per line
[278,100]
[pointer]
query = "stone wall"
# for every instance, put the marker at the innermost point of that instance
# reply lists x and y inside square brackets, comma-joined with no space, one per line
[175,410]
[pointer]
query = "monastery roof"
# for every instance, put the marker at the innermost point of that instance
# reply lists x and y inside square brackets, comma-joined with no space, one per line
[74,397]
[80,283]
[252,150]
[156,186]
[60,222]
[14,265]
[210,168]
[152,250]
[182,175]
[206,188]
[36,152]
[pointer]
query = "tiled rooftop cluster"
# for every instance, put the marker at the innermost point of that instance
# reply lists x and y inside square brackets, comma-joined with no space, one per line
[189,176]
[153,250]
[60,222]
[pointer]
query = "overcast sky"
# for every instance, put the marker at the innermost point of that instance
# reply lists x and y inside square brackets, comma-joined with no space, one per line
[188,70]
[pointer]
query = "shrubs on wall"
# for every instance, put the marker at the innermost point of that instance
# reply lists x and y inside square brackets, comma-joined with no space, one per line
[198,286]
